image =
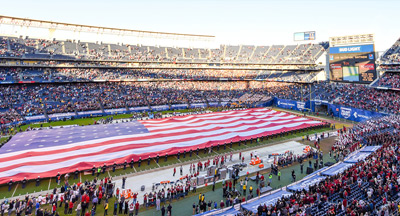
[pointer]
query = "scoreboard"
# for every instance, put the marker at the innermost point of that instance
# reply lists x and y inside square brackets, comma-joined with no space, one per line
[304,36]
[352,63]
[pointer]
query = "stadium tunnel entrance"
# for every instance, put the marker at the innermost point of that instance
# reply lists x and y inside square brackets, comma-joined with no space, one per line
[321,108]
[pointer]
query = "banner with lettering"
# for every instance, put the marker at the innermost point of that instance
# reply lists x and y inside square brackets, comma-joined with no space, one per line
[353,114]
[160,108]
[292,104]
[198,105]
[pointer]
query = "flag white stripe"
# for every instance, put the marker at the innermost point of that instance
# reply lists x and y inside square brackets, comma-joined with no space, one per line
[210,126]
[197,118]
[216,121]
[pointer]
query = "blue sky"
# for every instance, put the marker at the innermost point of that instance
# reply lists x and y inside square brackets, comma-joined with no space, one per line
[231,21]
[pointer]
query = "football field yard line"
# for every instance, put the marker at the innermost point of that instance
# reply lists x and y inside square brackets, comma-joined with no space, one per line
[49,184]
[156,162]
[178,159]
[15,189]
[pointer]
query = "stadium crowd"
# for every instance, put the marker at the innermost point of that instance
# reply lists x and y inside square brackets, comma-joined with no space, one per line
[369,187]
[390,80]
[43,74]
[359,96]
[81,199]
[19,101]
[71,49]
[52,98]
[392,54]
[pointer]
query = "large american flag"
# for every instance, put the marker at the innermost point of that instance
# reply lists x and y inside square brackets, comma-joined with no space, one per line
[44,153]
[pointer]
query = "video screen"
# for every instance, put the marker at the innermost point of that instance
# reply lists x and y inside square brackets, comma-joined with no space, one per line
[352,63]
[350,73]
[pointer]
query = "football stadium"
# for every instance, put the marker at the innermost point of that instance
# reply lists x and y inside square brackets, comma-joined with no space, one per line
[202,112]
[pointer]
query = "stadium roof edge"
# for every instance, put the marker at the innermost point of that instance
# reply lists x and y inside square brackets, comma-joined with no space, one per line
[99,27]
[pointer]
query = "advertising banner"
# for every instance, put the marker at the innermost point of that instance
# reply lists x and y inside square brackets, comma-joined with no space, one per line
[352,49]
[59,116]
[160,108]
[213,104]
[115,111]
[179,106]
[291,104]
[139,109]
[353,114]
[198,105]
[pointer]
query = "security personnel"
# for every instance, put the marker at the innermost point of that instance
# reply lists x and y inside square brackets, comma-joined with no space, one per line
[140,161]
[301,166]
[157,158]
[10,183]
[166,157]
[279,175]
[106,208]
[76,173]
[104,168]
[98,171]
[199,198]
[114,166]
[148,161]
[24,183]
[125,163]
[213,188]
[38,181]
[131,163]
[270,179]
